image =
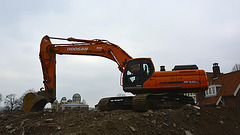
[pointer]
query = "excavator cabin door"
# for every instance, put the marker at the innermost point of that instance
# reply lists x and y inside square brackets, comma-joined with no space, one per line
[137,71]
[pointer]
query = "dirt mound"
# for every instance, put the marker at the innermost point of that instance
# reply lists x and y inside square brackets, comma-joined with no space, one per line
[186,120]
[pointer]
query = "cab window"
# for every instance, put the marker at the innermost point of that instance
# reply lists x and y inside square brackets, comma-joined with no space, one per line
[137,72]
[133,73]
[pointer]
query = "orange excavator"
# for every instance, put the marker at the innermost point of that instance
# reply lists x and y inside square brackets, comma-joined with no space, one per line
[152,89]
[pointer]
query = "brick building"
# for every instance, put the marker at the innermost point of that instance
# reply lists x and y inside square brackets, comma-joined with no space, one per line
[224,89]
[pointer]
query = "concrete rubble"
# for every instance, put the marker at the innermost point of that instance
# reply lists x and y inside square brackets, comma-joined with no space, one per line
[187,120]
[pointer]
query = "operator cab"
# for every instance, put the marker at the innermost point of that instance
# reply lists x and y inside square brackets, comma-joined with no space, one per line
[137,71]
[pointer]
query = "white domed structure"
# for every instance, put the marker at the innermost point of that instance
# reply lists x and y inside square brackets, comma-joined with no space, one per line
[64,100]
[76,98]
[74,104]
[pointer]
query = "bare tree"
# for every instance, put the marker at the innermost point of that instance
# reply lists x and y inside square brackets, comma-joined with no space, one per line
[0,97]
[236,67]
[10,101]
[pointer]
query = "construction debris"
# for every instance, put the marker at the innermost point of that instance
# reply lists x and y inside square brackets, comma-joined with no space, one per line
[184,121]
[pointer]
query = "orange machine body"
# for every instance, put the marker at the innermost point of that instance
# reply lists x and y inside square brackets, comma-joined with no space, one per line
[180,81]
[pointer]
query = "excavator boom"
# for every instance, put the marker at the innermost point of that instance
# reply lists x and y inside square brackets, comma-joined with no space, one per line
[48,51]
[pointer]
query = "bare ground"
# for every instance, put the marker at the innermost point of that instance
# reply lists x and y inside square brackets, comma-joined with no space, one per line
[186,120]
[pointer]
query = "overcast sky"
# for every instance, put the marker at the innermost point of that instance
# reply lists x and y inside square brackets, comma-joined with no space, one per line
[171,32]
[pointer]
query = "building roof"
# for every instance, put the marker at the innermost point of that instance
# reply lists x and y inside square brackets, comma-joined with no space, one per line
[230,83]
[73,104]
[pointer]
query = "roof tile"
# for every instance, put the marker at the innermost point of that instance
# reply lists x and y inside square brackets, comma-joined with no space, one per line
[229,82]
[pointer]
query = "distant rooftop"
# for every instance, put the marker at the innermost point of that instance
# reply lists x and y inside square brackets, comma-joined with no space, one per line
[73,104]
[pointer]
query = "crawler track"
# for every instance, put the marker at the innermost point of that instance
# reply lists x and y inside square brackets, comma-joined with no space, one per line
[115,103]
[144,102]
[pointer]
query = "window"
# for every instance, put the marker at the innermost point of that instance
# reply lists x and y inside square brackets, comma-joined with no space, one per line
[206,92]
[137,72]
[212,90]
[218,88]
[134,73]
[146,71]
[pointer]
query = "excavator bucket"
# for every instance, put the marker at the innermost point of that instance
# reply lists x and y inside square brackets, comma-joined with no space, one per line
[33,102]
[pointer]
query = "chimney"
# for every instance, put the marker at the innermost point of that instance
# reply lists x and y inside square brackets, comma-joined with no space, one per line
[162,68]
[216,70]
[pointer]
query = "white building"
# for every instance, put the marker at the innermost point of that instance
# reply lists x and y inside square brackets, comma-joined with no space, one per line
[74,104]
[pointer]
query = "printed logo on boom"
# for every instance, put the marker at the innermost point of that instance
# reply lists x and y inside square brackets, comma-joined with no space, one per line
[77,49]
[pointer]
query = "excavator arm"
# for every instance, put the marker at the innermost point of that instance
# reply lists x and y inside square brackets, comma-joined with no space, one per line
[48,51]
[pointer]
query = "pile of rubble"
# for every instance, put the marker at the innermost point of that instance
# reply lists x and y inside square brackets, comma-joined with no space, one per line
[186,120]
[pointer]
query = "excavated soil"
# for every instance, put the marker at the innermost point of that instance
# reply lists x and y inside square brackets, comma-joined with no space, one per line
[186,120]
